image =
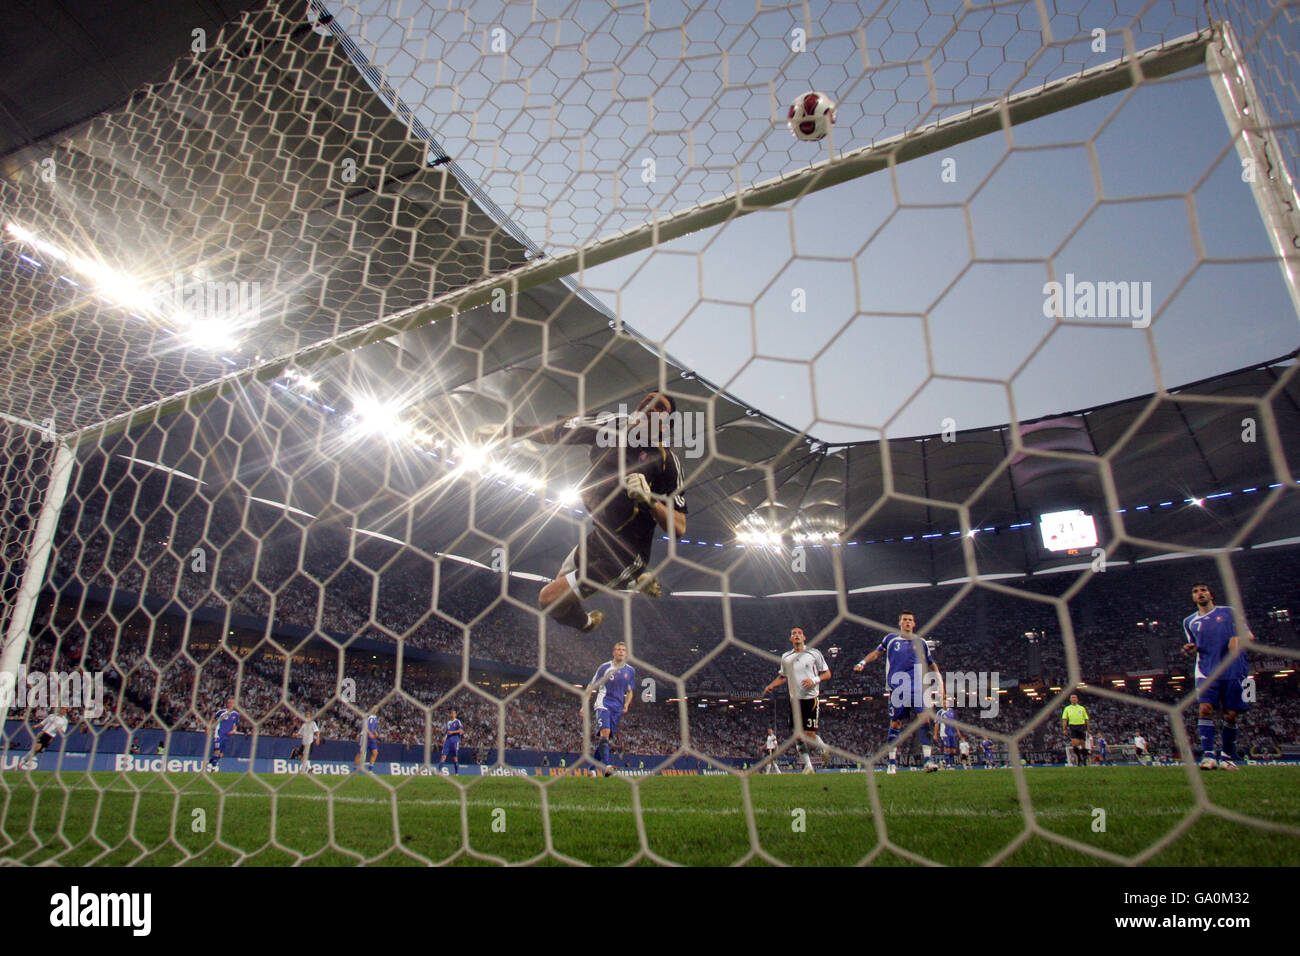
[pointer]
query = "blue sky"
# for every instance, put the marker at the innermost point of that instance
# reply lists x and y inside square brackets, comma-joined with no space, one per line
[923,297]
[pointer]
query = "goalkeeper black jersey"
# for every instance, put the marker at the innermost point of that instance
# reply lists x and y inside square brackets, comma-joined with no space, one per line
[620,523]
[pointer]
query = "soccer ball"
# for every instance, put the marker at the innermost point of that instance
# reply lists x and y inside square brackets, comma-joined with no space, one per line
[811,116]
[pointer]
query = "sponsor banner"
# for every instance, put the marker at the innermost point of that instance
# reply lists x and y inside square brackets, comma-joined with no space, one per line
[138,763]
[129,763]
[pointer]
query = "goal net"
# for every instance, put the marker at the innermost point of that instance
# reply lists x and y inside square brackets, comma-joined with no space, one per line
[1010,351]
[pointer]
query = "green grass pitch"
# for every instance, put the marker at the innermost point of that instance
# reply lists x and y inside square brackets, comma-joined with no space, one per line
[960,817]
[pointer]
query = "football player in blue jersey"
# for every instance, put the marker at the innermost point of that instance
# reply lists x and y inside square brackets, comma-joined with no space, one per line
[451,743]
[370,741]
[612,687]
[907,681]
[1212,636]
[946,734]
[227,720]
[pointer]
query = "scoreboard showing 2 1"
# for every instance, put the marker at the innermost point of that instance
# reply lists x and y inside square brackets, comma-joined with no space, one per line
[1067,531]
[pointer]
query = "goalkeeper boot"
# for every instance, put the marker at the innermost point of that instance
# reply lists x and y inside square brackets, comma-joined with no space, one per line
[593,621]
[648,585]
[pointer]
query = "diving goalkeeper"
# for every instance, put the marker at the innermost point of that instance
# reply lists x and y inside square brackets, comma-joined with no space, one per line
[632,489]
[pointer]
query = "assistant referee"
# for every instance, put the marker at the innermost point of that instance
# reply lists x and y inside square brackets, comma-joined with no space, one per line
[1074,721]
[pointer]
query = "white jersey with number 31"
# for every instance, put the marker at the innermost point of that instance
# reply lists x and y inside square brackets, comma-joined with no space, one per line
[799,666]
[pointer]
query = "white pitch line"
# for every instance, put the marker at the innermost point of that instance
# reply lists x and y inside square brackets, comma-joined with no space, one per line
[890,810]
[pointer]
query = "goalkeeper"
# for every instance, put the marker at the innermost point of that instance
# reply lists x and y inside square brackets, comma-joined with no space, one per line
[632,489]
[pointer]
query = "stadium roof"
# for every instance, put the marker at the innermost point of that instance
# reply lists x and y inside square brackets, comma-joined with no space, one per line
[234,169]
[70,61]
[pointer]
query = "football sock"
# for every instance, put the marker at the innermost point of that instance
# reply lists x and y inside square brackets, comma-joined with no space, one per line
[1230,741]
[569,613]
[1205,726]
[602,750]
[926,751]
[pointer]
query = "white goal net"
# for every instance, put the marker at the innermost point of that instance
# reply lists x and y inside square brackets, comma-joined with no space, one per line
[1011,350]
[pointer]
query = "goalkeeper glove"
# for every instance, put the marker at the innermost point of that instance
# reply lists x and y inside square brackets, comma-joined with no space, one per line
[638,489]
[486,434]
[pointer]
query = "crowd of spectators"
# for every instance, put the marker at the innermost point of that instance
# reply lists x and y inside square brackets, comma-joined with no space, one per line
[175,674]
[133,598]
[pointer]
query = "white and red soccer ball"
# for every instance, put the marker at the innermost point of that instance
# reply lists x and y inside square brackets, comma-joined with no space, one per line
[811,116]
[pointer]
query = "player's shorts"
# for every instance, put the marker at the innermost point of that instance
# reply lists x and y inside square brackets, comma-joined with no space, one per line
[907,698]
[1224,692]
[451,748]
[1078,732]
[44,740]
[808,713]
[904,713]
[949,742]
[219,742]
[607,566]
[607,718]
[371,744]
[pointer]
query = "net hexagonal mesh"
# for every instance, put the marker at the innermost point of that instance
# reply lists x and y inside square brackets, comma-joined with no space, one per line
[1011,350]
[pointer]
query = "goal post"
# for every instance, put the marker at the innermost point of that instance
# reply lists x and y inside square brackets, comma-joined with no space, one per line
[1264,165]
[36,553]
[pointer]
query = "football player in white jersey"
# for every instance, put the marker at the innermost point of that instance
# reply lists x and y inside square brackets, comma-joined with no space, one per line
[54,724]
[769,753]
[804,669]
